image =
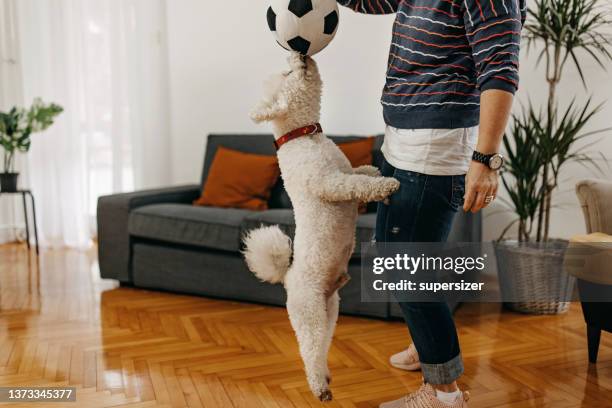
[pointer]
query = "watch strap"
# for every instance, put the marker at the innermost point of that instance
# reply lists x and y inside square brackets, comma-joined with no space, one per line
[482,158]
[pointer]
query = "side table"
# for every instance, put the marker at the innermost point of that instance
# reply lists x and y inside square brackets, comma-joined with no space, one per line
[24,194]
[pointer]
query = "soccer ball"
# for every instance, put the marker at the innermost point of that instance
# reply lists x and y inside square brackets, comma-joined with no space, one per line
[305,26]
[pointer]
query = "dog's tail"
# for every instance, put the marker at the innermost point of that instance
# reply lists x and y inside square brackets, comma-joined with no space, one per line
[268,253]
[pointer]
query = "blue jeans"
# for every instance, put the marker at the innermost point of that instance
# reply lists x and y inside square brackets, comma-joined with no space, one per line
[422,210]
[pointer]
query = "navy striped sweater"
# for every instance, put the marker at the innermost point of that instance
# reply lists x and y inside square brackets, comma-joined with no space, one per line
[444,53]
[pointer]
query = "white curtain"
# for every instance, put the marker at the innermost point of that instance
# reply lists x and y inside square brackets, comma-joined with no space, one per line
[10,93]
[105,62]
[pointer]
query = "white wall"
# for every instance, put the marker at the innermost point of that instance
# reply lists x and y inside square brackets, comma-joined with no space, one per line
[218,61]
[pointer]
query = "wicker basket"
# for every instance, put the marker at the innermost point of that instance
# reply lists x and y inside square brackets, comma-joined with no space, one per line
[531,277]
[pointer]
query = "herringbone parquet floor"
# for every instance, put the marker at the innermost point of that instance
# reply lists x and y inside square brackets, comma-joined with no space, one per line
[61,325]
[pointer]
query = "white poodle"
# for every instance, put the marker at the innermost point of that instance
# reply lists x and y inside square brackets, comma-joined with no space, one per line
[325,192]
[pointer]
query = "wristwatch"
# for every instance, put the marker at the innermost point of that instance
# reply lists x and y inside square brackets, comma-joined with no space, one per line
[494,161]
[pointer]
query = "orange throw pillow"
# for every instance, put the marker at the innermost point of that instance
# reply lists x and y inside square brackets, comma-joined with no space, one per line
[239,180]
[359,152]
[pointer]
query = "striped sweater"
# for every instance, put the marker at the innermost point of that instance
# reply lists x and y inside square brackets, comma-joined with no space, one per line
[444,53]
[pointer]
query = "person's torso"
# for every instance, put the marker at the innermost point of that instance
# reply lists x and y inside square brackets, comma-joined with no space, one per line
[436,152]
[431,68]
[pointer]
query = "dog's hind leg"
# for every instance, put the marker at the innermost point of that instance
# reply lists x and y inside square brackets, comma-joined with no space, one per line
[333,306]
[307,313]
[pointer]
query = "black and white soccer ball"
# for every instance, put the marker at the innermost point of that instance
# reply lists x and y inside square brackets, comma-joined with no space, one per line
[305,26]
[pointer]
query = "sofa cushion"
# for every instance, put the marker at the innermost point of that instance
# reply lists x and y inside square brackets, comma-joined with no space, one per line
[239,180]
[209,227]
[264,144]
[359,152]
[284,219]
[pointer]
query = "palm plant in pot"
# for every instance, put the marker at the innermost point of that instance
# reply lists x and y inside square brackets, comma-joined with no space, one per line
[539,145]
[16,129]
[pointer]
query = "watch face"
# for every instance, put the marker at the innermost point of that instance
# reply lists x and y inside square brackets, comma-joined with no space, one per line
[496,162]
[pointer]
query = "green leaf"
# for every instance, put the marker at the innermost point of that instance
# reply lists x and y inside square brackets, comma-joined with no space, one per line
[17,126]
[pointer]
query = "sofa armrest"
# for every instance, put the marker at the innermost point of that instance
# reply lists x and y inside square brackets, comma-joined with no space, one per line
[114,249]
[595,197]
[589,257]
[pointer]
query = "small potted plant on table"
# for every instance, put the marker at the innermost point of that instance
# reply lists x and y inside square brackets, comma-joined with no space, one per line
[16,128]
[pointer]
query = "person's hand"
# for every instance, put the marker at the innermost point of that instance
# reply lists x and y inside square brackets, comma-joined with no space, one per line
[480,182]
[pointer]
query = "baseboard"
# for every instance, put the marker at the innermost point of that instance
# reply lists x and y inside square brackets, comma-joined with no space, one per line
[7,234]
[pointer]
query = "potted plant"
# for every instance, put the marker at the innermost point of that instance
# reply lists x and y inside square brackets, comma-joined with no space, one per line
[16,128]
[539,144]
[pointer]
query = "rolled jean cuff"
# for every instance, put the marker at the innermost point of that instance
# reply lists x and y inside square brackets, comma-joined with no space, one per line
[444,373]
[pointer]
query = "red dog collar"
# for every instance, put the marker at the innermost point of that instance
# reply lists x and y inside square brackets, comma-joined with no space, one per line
[294,134]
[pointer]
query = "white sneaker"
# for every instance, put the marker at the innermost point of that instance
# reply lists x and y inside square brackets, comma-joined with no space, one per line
[425,397]
[406,360]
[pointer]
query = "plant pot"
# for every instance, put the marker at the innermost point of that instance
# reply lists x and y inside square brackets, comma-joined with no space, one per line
[532,278]
[8,182]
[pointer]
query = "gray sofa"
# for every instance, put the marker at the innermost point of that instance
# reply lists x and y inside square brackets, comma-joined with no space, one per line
[157,239]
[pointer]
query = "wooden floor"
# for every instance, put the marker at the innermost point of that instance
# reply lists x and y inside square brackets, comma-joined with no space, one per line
[61,325]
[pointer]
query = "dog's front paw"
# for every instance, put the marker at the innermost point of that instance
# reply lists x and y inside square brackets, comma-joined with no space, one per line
[386,187]
[391,185]
[368,170]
